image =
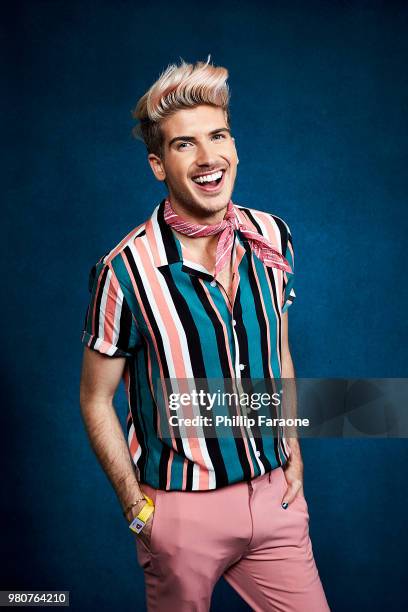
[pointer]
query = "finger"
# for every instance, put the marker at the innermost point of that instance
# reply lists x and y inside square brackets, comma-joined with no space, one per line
[290,495]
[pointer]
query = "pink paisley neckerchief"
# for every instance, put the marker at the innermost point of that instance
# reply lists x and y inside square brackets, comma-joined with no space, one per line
[262,247]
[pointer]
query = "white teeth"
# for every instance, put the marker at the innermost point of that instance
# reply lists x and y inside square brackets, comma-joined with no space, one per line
[208,177]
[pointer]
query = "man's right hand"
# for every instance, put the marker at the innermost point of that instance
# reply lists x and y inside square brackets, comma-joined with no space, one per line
[145,534]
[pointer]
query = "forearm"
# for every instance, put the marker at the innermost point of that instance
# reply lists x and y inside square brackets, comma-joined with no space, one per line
[290,405]
[109,444]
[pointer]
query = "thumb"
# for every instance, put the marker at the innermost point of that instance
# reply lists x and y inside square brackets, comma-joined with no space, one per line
[290,495]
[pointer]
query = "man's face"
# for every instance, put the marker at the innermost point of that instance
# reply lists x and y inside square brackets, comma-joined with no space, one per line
[199,161]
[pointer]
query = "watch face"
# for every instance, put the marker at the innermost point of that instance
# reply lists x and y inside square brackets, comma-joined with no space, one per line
[137,525]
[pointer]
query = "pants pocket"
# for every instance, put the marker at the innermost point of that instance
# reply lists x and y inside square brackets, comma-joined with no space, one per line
[146,553]
[156,516]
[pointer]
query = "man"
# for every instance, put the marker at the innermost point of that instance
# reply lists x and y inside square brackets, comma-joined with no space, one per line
[199,292]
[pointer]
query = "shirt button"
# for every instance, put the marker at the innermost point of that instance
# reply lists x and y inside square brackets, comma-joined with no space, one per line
[213,283]
[241,366]
[234,322]
[258,453]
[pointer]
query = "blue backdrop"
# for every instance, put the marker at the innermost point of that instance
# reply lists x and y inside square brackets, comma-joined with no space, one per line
[319,101]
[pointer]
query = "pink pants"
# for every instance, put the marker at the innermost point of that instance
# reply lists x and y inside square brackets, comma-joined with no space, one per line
[240,532]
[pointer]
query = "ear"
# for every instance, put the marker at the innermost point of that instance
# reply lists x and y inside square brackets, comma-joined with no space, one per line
[157,166]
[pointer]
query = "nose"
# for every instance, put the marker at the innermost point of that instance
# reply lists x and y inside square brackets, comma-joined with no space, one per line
[205,154]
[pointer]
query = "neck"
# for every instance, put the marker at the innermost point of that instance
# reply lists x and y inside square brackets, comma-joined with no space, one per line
[199,245]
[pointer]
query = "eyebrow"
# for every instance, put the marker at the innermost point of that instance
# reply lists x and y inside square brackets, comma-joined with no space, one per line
[192,139]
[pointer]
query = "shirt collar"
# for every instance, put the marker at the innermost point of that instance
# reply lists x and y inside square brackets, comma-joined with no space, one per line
[165,246]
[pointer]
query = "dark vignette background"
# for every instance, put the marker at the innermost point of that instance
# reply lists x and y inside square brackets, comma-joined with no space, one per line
[319,102]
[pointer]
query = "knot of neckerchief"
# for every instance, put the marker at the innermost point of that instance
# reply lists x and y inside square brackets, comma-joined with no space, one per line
[259,245]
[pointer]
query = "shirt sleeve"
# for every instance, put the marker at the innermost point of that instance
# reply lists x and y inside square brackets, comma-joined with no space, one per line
[109,325]
[289,295]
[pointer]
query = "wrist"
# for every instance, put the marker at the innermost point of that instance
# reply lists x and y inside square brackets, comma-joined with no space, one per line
[138,523]
[134,509]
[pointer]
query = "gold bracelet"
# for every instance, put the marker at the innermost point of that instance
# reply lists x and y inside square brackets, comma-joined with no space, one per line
[134,504]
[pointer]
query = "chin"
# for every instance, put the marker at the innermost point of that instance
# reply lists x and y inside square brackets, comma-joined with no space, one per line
[215,202]
[212,207]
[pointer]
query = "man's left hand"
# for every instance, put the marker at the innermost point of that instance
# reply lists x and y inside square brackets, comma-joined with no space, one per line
[293,471]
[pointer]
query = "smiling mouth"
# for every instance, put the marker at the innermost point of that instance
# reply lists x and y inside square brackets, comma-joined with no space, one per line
[210,182]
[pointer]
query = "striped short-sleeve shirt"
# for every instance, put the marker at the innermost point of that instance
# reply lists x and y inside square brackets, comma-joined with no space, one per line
[171,320]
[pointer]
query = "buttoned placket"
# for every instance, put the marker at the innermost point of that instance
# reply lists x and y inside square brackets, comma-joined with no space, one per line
[190,266]
[239,368]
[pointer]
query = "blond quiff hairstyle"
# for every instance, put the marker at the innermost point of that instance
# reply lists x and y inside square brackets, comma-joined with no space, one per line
[179,87]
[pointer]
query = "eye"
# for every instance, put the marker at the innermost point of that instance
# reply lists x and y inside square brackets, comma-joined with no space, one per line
[220,136]
[183,145]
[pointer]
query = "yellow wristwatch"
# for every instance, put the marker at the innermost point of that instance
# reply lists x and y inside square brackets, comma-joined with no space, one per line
[141,519]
